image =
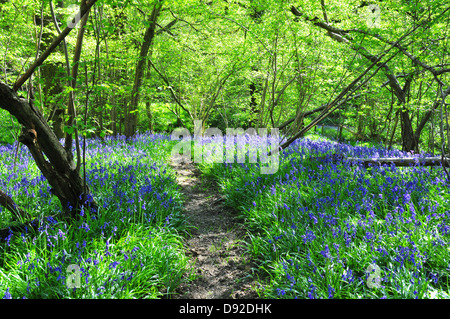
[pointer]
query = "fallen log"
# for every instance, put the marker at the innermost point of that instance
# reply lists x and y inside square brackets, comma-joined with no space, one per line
[413,161]
[366,162]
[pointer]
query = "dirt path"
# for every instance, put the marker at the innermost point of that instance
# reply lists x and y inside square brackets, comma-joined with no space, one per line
[215,245]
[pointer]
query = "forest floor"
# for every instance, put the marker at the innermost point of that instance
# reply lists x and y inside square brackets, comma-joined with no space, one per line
[216,243]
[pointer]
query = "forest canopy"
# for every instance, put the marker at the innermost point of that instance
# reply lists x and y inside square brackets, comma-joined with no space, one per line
[158,65]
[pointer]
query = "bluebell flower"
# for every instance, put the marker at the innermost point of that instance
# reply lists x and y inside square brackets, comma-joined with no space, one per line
[7,294]
[312,292]
[330,292]
[308,237]
[434,277]
[8,238]
[134,249]
[326,252]
[113,264]
[281,292]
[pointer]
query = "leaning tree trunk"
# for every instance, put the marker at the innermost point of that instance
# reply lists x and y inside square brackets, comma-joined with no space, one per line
[410,139]
[50,156]
[54,161]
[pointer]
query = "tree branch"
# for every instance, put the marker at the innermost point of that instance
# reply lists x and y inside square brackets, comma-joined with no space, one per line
[327,109]
[342,36]
[167,27]
[11,206]
[84,9]
[413,58]
[71,107]
[336,33]
[321,108]
[169,87]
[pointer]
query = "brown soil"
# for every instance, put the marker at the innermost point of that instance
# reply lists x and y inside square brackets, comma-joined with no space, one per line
[216,245]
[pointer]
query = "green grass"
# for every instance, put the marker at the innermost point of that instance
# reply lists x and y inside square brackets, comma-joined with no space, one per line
[316,226]
[132,248]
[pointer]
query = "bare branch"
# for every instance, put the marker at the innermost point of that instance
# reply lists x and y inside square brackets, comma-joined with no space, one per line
[321,108]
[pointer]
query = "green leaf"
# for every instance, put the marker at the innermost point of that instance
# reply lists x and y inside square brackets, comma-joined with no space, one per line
[69,129]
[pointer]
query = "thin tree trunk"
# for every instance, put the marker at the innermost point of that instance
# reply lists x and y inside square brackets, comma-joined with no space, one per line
[132,112]
[71,109]
[393,130]
[428,161]
[11,206]
[409,140]
[148,108]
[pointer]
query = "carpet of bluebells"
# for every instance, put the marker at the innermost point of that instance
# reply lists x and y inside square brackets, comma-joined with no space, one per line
[321,228]
[316,227]
[133,246]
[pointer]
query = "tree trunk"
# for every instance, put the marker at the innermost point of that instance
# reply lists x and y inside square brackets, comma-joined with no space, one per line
[71,110]
[51,89]
[9,204]
[405,162]
[132,112]
[53,160]
[85,7]
[58,168]
[397,161]
[148,110]
[409,142]
[114,120]
[253,104]
[429,113]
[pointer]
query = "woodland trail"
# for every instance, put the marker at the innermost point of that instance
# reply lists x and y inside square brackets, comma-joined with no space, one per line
[215,244]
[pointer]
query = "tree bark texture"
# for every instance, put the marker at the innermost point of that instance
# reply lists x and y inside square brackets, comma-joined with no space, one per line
[50,156]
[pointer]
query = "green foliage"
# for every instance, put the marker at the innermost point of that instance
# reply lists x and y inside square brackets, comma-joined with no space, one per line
[214,52]
[9,128]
